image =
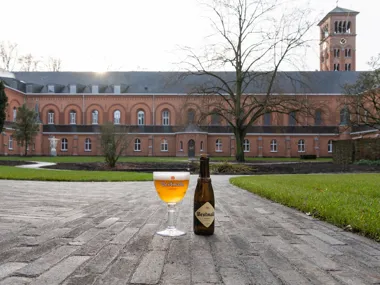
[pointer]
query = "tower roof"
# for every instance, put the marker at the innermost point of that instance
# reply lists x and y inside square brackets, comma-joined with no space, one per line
[338,10]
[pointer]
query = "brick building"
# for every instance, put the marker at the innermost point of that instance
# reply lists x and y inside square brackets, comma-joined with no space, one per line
[156,106]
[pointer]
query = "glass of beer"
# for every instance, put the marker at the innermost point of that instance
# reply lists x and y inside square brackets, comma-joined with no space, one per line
[171,187]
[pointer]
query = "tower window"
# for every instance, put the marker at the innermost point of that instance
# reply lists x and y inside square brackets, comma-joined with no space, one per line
[336,52]
[347,52]
[347,67]
[336,66]
[348,30]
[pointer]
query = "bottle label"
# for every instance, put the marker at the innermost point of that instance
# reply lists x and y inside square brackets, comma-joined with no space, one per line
[205,214]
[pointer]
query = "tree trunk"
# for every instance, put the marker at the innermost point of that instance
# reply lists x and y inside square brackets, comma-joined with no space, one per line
[26,149]
[239,138]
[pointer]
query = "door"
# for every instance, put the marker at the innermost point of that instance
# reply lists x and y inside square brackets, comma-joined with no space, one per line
[191,148]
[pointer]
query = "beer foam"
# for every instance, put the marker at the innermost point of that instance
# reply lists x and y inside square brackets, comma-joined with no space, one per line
[170,175]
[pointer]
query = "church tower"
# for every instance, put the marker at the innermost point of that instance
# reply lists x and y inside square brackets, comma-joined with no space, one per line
[338,40]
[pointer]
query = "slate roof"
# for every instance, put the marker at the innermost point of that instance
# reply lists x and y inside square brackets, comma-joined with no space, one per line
[304,82]
[338,10]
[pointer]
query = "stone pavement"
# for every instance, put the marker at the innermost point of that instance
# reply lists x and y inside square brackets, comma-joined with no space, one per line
[103,233]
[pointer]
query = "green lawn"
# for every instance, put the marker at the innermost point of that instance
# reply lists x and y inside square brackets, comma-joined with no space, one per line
[16,173]
[142,159]
[341,199]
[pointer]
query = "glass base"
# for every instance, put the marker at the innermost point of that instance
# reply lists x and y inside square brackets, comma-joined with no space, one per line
[171,233]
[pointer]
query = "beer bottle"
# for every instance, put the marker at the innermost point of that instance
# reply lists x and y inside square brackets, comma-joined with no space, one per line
[204,201]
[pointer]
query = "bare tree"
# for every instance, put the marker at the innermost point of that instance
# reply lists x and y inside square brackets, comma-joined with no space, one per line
[54,64]
[251,35]
[8,55]
[114,140]
[28,62]
[362,100]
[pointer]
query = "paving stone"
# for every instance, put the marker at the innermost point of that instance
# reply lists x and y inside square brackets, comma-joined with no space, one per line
[203,267]
[124,236]
[61,271]
[100,262]
[290,277]
[108,222]
[326,238]
[150,268]
[317,257]
[10,267]
[259,272]
[16,281]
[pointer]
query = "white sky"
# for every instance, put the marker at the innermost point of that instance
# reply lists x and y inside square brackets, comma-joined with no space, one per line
[96,35]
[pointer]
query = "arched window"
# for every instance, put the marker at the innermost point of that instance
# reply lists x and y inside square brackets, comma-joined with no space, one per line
[10,142]
[201,148]
[165,118]
[87,144]
[336,67]
[347,52]
[347,66]
[164,145]
[246,146]
[336,27]
[180,145]
[301,146]
[273,146]
[344,116]
[348,27]
[318,117]
[95,117]
[267,119]
[64,144]
[137,145]
[14,114]
[329,146]
[190,116]
[140,118]
[73,117]
[340,27]
[215,119]
[292,118]
[218,145]
[116,117]
[336,52]
[51,117]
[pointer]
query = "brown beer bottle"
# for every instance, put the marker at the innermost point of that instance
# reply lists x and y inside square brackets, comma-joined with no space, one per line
[204,201]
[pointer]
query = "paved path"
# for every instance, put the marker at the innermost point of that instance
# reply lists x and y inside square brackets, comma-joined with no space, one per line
[37,164]
[103,233]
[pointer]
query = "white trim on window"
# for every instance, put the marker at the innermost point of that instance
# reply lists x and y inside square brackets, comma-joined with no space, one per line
[164,145]
[95,117]
[218,145]
[116,117]
[73,89]
[87,144]
[14,114]
[273,146]
[329,146]
[246,146]
[165,118]
[10,143]
[201,148]
[301,146]
[141,118]
[181,146]
[73,117]
[64,144]
[137,145]
[51,118]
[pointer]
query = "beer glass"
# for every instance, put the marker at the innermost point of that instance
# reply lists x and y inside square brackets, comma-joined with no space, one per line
[171,187]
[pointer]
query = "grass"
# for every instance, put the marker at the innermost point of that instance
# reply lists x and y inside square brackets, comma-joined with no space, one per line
[16,173]
[74,159]
[345,200]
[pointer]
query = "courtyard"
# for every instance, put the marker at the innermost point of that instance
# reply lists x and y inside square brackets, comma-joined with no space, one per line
[104,233]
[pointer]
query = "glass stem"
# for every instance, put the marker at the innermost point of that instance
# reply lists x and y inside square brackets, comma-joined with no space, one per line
[171,211]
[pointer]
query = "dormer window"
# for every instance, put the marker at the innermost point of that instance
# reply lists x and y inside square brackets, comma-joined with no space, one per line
[95,89]
[116,89]
[51,89]
[29,88]
[73,89]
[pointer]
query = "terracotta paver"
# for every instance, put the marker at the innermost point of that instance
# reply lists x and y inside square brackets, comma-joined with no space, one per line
[104,233]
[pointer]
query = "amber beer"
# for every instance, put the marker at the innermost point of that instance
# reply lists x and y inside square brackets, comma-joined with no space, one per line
[171,186]
[204,201]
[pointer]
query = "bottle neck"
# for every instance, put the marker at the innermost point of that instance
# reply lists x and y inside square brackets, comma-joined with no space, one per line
[204,171]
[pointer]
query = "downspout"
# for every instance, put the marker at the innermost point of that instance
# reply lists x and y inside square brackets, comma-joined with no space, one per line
[83,109]
[154,122]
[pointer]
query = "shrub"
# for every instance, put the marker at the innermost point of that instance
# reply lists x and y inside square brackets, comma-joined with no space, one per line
[368,162]
[230,168]
[308,156]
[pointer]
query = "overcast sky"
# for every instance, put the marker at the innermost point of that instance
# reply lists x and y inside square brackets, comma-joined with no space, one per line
[96,35]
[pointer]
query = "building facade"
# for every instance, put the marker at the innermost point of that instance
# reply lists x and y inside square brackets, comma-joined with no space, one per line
[161,116]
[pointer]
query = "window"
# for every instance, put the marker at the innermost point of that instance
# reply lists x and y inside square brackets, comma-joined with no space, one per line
[95,89]
[218,145]
[14,114]
[95,117]
[50,117]
[116,117]
[164,145]
[140,118]
[137,145]
[273,146]
[318,117]
[64,144]
[73,89]
[201,148]
[347,66]
[215,119]
[87,144]
[336,66]
[180,145]
[348,30]
[267,119]
[329,146]
[344,116]
[51,89]
[165,118]
[73,117]
[116,89]
[336,52]
[301,146]
[347,52]
[190,116]
[292,118]
[246,146]
[10,142]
